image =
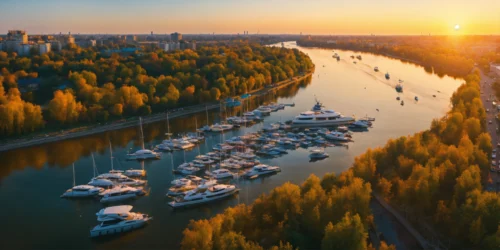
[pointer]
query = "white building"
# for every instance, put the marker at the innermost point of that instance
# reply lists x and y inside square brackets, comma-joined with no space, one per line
[44,48]
[24,49]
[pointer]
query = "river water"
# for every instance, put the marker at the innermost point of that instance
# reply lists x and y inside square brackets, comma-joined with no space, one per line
[32,179]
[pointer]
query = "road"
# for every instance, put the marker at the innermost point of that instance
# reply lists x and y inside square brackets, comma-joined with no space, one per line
[487,96]
[80,132]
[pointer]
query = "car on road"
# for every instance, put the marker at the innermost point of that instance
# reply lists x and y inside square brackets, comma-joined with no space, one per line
[493,163]
[490,122]
[487,110]
[493,156]
[498,144]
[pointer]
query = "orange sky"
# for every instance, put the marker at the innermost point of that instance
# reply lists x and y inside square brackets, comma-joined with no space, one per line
[381,17]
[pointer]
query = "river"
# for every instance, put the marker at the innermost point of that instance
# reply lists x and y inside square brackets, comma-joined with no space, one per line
[32,179]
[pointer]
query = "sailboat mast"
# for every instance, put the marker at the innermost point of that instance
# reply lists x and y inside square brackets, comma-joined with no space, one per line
[74,184]
[206,111]
[93,164]
[142,133]
[111,153]
[168,127]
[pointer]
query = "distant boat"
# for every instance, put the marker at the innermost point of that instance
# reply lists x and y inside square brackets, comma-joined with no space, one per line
[387,76]
[376,69]
[359,57]
[399,88]
[402,103]
[416,98]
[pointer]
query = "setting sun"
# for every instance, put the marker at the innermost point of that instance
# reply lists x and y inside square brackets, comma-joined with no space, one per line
[457,27]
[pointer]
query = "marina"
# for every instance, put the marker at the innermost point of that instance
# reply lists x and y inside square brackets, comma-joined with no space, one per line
[244,161]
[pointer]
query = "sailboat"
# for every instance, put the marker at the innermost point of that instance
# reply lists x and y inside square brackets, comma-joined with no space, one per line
[99,182]
[168,144]
[81,191]
[143,154]
[206,128]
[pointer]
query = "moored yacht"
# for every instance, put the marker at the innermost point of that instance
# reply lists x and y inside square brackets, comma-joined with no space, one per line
[387,76]
[220,174]
[375,69]
[221,127]
[319,116]
[120,193]
[135,173]
[143,154]
[318,154]
[118,219]
[338,136]
[82,191]
[261,170]
[263,110]
[202,195]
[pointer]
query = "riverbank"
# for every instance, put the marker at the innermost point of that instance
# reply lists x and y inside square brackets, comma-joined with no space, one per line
[133,121]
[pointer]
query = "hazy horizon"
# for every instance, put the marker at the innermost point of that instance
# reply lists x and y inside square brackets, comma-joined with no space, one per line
[320,17]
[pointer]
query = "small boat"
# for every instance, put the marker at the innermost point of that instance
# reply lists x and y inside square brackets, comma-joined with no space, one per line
[387,76]
[202,195]
[118,219]
[400,81]
[270,127]
[375,69]
[221,127]
[399,88]
[183,144]
[190,170]
[220,174]
[262,110]
[354,62]
[82,191]
[318,154]
[416,98]
[120,193]
[135,173]
[342,129]
[143,154]
[101,183]
[358,124]
[402,103]
[305,144]
[338,136]
[122,179]
[261,170]
[398,98]
[359,57]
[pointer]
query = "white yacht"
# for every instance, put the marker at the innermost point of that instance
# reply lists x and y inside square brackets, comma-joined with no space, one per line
[82,191]
[338,136]
[120,193]
[251,116]
[262,110]
[260,170]
[104,183]
[318,154]
[271,127]
[135,173]
[118,219]
[143,154]
[181,190]
[184,144]
[189,170]
[202,195]
[220,174]
[319,116]
[359,124]
[121,179]
[221,127]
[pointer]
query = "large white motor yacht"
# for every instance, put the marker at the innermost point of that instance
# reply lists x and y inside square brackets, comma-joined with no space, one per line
[82,191]
[220,174]
[260,170]
[202,195]
[320,117]
[143,154]
[120,193]
[118,219]
[121,179]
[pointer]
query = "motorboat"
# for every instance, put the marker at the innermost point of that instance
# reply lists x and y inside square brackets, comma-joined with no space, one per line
[135,173]
[375,69]
[184,144]
[416,98]
[398,98]
[342,129]
[261,170]
[399,88]
[82,191]
[270,127]
[402,103]
[104,183]
[305,144]
[222,147]
[284,126]
[119,178]
[118,219]
[163,147]
[338,136]
[202,195]
[262,111]
[220,174]
[221,127]
[251,116]
[387,76]
[120,193]
[248,155]
[318,154]
[319,116]
[359,124]
[190,170]
[359,57]
[180,190]
[143,154]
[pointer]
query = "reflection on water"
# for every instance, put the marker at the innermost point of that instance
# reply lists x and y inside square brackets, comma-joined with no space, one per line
[64,153]
[32,179]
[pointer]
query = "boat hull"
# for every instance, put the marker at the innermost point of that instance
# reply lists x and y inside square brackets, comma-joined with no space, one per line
[96,232]
[118,198]
[174,204]
[325,123]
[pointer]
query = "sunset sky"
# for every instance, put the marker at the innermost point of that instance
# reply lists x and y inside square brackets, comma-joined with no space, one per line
[381,17]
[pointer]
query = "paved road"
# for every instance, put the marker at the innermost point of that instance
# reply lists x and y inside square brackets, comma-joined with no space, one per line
[488,96]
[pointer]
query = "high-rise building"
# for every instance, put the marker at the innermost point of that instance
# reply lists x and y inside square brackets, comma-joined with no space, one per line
[24,49]
[44,48]
[176,37]
[17,35]
[130,38]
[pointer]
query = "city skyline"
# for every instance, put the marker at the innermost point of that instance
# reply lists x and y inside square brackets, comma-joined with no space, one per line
[320,17]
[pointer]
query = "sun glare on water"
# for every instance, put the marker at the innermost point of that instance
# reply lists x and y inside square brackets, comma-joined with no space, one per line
[457,27]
